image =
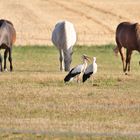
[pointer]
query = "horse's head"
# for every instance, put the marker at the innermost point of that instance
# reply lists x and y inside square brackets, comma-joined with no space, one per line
[68,59]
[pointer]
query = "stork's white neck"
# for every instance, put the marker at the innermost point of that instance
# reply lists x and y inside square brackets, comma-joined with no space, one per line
[94,60]
[84,65]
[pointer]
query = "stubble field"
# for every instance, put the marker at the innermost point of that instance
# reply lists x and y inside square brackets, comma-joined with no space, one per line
[95,20]
[37,104]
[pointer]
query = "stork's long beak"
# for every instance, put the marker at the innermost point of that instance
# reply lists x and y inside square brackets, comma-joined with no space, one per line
[88,58]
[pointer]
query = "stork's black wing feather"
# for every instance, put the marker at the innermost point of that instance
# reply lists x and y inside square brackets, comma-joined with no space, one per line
[70,75]
[86,76]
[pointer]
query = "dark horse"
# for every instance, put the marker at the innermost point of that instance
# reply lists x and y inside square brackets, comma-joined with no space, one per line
[127,36]
[7,38]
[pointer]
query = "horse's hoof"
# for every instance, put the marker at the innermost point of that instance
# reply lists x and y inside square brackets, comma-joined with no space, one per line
[11,68]
[126,73]
[5,70]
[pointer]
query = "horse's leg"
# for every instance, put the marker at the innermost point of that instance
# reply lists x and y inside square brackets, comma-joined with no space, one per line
[128,58]
[121,50]
[10,58]
[0,62]
[66,61]
[61,58]
[5,57]
[116,50]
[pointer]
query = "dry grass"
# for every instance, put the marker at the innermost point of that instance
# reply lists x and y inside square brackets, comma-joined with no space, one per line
[95,21]
[36,104]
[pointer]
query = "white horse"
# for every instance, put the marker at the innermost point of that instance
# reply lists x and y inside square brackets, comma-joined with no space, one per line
[64,38]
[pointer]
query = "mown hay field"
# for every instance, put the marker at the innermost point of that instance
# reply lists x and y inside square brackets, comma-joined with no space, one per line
[37,104]
[95,20]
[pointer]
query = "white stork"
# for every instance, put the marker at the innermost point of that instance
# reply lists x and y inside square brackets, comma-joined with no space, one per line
[90,70]
[78,70]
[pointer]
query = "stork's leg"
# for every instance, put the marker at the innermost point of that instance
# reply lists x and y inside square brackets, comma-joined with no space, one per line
[0,63]
[61,58]
[92,79]
[5,57]
[10,59]
[77,78]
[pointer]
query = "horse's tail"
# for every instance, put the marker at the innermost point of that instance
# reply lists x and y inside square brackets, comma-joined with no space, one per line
[14,36]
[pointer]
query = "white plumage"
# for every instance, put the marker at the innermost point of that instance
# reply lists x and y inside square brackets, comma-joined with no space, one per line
[90,70]
[64,38]
[77,71]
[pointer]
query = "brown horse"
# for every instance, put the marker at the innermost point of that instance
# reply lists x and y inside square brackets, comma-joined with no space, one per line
[7,38]
[127,36]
